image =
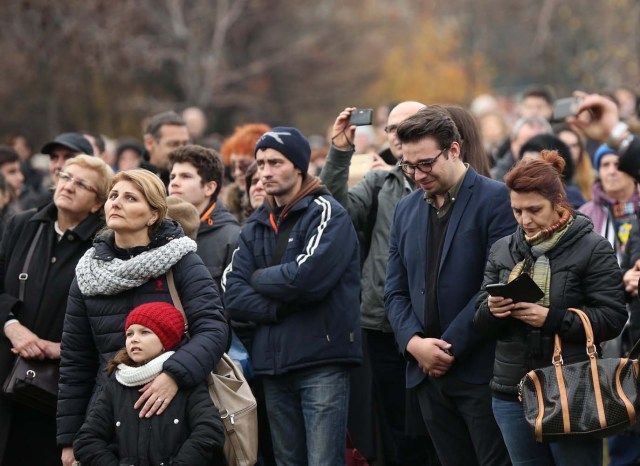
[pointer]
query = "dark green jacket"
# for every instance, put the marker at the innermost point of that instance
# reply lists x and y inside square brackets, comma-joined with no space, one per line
[388,187]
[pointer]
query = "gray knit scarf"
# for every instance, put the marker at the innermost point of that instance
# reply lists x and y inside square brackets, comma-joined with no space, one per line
[99,277]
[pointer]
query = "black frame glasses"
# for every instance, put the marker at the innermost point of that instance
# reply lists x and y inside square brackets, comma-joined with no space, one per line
[65,178]
[425,166]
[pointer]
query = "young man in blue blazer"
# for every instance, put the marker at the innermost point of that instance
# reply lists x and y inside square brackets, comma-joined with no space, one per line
[439,245]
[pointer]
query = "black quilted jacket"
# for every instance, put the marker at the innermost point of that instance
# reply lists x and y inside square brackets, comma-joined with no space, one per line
[94,331]
[188,433]
[584,274]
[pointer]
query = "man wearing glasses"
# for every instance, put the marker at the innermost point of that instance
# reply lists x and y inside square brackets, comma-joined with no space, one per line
[440,240]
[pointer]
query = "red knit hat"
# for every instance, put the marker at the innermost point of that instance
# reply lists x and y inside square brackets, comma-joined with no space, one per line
[164,319]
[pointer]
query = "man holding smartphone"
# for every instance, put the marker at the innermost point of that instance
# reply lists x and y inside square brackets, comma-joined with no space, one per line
[438,248]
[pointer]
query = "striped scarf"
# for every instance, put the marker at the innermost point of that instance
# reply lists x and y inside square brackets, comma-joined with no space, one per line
[537,263]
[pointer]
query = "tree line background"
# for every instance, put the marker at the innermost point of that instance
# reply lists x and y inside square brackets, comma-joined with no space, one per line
[103,65]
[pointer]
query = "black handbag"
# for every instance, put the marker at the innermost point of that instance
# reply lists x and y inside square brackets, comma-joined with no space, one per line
[589,399]
[34,383]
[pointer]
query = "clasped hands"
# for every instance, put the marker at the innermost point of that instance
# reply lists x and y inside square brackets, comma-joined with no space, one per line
[28,345]
[432,354]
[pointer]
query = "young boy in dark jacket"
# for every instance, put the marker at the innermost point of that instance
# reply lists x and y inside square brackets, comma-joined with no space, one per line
[189,431]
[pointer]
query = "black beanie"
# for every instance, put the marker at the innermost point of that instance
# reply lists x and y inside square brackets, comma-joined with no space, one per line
[289,142]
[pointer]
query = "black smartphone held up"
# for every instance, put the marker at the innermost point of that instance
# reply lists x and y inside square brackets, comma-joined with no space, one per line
[563,108]
[521,290]
[361,117]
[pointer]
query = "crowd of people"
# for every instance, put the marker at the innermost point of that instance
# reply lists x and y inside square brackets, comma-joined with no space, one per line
[360,296]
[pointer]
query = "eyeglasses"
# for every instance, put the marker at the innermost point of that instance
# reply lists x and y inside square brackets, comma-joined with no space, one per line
[425,166]
[64,178]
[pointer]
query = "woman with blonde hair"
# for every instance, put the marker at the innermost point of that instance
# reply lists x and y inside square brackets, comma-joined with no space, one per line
[584,174]
[38,255]
[128,266]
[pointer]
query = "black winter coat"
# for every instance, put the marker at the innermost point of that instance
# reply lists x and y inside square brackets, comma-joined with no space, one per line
[584,274]
[51,272]
[217,239]
[94,331]
[188,433]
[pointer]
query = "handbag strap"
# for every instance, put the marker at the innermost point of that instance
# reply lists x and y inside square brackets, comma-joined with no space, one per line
[593,363]
[24,275]
[175,297]
[588,332]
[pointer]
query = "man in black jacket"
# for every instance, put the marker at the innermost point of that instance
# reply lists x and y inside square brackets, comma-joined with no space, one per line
[196,177]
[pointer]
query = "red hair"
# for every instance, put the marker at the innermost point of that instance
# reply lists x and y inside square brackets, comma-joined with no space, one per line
[542,175]
[243,141]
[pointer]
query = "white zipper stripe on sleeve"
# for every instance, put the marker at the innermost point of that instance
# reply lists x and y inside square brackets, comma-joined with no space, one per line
[325,217]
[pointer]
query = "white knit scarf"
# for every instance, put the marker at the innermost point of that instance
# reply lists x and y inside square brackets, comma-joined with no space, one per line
[100,277]
[135,376]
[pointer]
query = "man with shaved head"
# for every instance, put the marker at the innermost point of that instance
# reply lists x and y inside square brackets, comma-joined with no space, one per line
[370,204]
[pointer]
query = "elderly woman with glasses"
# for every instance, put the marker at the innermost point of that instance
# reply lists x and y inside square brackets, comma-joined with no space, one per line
[32,310]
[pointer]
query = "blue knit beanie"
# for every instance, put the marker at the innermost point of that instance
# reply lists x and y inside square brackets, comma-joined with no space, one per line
[601,152]
[289,142]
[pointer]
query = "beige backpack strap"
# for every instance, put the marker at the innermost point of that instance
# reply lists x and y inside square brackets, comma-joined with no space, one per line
[176,299]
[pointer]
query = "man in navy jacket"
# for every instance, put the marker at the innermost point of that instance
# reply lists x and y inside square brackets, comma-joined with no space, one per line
[296,275]
[440,241]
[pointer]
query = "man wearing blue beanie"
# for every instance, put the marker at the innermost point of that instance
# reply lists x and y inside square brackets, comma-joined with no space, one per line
[296,276]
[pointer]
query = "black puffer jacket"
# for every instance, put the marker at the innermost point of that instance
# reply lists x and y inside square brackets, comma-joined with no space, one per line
[584,274]
[94,330]
[188,433]
[217,239]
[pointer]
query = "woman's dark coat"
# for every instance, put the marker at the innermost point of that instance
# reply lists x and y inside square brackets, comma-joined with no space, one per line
[94,330]
[51,272]
[188,433]
[584,274]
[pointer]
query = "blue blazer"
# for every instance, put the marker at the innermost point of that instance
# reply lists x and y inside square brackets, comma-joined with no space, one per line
[481,215]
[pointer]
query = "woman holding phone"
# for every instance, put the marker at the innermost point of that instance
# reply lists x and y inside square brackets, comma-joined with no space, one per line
[574,267]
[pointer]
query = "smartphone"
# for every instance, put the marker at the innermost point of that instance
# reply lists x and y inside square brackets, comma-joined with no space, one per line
[361,117]
[522,289]
[563,108]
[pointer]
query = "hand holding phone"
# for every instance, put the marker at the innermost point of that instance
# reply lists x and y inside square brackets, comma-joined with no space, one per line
[521,289]
[563,108]
[361,117]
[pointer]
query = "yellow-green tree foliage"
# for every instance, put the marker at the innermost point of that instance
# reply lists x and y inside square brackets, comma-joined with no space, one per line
[431,67]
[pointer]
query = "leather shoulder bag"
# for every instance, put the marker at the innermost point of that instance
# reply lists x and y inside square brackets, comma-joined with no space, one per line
[231,394]
[590,399]
[33,382]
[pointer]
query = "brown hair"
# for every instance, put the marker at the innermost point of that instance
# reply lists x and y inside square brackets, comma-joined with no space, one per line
[121,357]
[471,150]
[206,161]
[434,122]
[541,175]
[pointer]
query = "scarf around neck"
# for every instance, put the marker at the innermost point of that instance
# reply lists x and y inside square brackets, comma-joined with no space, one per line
[102,277]
[537,264]
[130,376]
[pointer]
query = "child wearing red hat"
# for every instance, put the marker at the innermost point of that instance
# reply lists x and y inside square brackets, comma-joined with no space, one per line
[189,431]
